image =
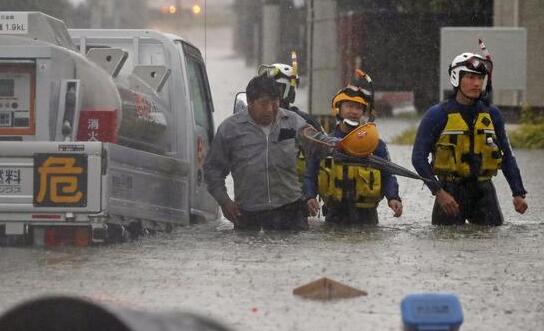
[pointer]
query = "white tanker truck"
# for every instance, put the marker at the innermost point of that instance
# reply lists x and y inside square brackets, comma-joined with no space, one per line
[103,133]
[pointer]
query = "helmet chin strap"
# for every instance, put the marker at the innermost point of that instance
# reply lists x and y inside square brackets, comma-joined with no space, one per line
[285,91]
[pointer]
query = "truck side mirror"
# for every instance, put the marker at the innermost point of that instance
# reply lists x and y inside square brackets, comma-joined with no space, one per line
[240,102]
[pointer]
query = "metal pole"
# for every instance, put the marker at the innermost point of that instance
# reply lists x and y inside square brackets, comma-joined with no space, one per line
[205,31]
[310,54]
[271,31]
[515,22]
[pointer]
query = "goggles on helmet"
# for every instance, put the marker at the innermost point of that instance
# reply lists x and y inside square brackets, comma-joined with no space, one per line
[352,93]
[275,72]
[269,70]
[476,64]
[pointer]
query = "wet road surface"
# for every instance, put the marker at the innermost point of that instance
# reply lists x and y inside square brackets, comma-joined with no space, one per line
[246,280]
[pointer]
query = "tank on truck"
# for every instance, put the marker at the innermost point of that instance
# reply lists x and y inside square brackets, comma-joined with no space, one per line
[123,120]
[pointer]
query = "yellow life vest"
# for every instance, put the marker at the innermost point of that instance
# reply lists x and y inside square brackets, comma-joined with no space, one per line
[458,148]
[300,165]
[340,181]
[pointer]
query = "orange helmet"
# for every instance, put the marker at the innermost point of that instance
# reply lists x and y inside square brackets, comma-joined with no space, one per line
[361,141]
[349,93]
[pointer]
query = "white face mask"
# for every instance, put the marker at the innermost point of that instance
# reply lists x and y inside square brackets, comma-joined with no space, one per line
[350,123]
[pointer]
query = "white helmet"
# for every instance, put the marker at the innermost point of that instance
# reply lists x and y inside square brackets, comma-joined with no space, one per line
[468,62]
[285,75]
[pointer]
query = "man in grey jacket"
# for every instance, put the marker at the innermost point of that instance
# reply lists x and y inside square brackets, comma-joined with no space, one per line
[258,148]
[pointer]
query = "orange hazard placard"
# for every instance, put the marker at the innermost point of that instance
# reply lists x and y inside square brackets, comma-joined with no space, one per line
[60,180]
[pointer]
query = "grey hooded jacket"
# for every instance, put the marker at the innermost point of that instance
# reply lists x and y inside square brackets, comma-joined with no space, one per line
[263,167]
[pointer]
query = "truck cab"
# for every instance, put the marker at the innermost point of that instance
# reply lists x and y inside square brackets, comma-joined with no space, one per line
[102,132]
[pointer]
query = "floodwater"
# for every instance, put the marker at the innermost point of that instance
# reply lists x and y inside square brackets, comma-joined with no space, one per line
[246,280]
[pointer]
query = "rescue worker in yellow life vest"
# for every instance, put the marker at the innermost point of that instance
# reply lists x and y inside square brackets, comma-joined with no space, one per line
[468,143]
[350,191]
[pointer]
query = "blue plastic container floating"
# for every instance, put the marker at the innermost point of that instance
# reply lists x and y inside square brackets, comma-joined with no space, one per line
[431,312]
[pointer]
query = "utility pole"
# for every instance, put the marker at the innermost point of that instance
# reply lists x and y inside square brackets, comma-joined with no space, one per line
[324,56]
[271,31]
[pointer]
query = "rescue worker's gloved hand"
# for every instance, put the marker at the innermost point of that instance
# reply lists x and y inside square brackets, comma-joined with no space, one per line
[396,207]
[313,206]
[447,203]
[520,205]
[231,210]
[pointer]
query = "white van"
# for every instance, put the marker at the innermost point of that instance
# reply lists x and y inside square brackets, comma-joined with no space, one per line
[103,133]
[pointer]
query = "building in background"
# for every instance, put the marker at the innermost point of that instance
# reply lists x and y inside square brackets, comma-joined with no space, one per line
[268,30]
[397,42]
[527,14]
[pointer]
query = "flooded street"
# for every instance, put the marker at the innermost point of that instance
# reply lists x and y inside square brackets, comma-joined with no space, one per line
[246,280]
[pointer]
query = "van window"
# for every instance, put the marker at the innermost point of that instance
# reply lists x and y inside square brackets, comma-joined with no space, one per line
[200,94]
